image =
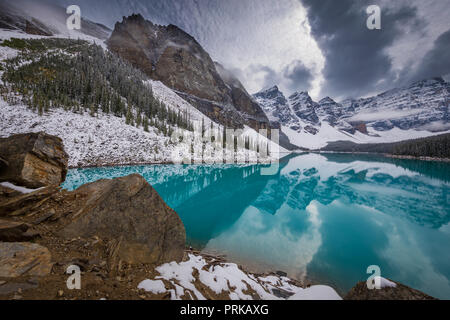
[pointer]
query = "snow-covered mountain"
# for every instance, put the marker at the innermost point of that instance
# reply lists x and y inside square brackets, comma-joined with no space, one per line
[422,105]
[419,110]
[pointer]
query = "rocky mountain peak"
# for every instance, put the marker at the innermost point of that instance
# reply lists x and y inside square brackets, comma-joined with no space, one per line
[172,56]
[271,93]
[302,97]
[135,18]
[299,94]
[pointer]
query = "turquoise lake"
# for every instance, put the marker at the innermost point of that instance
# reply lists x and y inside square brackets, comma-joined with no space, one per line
[323,217]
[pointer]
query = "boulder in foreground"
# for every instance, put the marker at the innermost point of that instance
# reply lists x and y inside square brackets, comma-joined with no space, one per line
[33,160]
[131,214]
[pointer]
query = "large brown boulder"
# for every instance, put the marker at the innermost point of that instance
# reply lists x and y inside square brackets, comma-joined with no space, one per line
[33,160]
[130,214]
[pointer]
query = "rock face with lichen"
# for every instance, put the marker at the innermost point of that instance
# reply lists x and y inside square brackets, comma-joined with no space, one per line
[128,211]
[33,160]
[170,55]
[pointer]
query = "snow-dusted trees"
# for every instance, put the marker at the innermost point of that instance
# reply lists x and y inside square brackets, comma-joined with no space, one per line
[82,77]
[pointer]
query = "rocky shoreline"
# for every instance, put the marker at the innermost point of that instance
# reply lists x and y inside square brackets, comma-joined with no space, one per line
[119,233]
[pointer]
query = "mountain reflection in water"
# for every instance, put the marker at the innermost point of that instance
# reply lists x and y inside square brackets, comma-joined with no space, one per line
[326,217]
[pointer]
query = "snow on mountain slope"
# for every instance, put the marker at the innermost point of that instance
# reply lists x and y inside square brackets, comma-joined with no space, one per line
[89,141]
[327,133]
[173,100]
[277,108]
[18,34]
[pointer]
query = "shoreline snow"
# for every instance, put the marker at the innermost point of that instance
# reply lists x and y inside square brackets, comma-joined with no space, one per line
[188,279]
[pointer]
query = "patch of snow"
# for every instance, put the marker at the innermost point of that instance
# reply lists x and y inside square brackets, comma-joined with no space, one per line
[101,140]
[68,34]
[328,134]
[154,286]
[174,101]
[227,278]
[369,116]
[385,283]
[316,293]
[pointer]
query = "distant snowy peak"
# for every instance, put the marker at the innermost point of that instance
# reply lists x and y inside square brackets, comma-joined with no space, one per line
[44,19]
[422,106]
[304,107]
[273,94]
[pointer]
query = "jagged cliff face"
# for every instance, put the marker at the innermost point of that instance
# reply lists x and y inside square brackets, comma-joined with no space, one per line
[423,105]
[170,55]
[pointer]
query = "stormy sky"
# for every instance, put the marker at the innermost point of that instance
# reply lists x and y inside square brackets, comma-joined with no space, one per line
[320,46]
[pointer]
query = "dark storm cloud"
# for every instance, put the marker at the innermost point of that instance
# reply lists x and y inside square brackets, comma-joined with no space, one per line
[270,76]
[436,62]
[299,76]
[356,59]
[295,77]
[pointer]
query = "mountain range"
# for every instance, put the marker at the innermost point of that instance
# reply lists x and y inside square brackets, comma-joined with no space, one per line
[405,113]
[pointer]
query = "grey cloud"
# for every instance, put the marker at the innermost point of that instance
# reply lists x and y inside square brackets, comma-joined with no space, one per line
[299,76]
[270,76]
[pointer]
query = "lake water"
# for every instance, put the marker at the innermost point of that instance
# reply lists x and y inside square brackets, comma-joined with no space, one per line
[325,217]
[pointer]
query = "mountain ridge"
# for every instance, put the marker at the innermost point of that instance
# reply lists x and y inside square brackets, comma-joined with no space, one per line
[170,55]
